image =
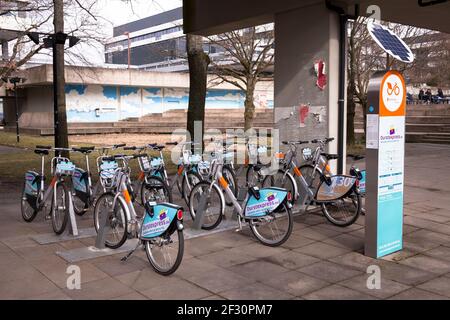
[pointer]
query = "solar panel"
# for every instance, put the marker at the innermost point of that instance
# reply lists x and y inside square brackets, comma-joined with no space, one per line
[390,42]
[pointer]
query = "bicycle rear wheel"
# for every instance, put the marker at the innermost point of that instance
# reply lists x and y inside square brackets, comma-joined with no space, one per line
[166,252]
[274,229]
[343,212]
[116,220]
[60,208]
[213,202]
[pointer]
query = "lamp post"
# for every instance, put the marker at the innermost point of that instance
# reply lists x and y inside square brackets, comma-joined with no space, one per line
[129,48]
[15,81]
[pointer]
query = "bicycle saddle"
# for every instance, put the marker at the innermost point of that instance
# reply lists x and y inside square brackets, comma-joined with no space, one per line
[41,151]
[85,150]
[330,156]
[356,157]
[254,191]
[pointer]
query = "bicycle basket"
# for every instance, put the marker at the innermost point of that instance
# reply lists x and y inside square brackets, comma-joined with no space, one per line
[195,159]
[156,163]
[64,168]
[203,167]
[108,172]
[262,150]
[228,157]
[146,166]
[307,154]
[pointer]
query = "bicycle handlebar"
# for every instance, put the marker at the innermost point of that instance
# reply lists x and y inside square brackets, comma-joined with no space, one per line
[294,142]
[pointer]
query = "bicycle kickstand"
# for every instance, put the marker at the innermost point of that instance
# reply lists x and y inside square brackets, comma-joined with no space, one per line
[131,252]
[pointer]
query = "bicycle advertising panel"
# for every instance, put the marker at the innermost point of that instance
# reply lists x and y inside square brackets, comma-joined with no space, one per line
[158,222]
[338,187]
[385,164]
[269,200]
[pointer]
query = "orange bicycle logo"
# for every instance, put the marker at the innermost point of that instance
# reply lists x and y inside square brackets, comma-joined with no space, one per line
[393,89]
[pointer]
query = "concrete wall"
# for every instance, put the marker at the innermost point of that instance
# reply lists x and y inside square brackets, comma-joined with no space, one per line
[302,110]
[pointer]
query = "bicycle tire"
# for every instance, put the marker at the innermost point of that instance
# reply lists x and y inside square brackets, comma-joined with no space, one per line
[120,202]
[353,217]
[161,184]
[24,205]
[184,191]
[177,262]
[289,183]
[284,238]
[230,177]
[59,229]
[220,213]
[250,174]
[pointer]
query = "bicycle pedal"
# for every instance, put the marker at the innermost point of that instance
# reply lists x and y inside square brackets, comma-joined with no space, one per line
[48,217]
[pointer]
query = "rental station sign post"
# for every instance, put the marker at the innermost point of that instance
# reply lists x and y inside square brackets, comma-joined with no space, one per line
[385,144]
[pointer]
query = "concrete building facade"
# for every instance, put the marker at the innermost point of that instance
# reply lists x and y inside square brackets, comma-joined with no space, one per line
[111,95]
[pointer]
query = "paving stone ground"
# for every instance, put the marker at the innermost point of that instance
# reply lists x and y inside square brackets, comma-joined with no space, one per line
[319,261]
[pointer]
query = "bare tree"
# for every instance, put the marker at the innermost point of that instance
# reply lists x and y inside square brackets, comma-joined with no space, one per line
[23,49]
[246,58]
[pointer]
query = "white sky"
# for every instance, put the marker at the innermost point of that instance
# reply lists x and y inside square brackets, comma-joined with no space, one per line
[112,13]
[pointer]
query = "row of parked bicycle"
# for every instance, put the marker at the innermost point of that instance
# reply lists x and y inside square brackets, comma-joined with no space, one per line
[207,186]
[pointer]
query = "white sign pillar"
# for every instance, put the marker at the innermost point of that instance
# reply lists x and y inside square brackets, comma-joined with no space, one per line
[385,144]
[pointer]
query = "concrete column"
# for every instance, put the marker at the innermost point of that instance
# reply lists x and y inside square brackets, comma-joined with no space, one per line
[302,37]
[5,50]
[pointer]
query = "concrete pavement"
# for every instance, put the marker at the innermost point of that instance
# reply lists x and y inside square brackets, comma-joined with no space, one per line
[319,261]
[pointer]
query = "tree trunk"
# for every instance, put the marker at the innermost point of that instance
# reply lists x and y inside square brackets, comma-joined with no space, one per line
[249,104]
[198,71]
[61,134]
[351,106]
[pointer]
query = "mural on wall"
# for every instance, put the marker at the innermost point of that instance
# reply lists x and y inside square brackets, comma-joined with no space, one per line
[152,100]
[130,102]
[92,103]
[175,98]
[96,103]
[225,99]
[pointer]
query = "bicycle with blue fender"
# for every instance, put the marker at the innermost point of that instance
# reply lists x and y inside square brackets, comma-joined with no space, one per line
[35,194]
[159,230]
[267,211]
[337,195]
[84,191]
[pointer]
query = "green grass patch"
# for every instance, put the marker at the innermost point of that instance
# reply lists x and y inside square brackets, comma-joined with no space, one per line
[14,164]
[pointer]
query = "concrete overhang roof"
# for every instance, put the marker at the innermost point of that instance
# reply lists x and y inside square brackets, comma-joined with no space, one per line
[43,75]
[208,17]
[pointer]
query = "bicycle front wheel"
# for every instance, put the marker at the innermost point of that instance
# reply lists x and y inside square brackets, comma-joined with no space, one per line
[28,210]
[343,212]
[281,180]
[189,181]
[60,208]
[166,252]
[230,177]
[273,229]
[116,220]
[209,198]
